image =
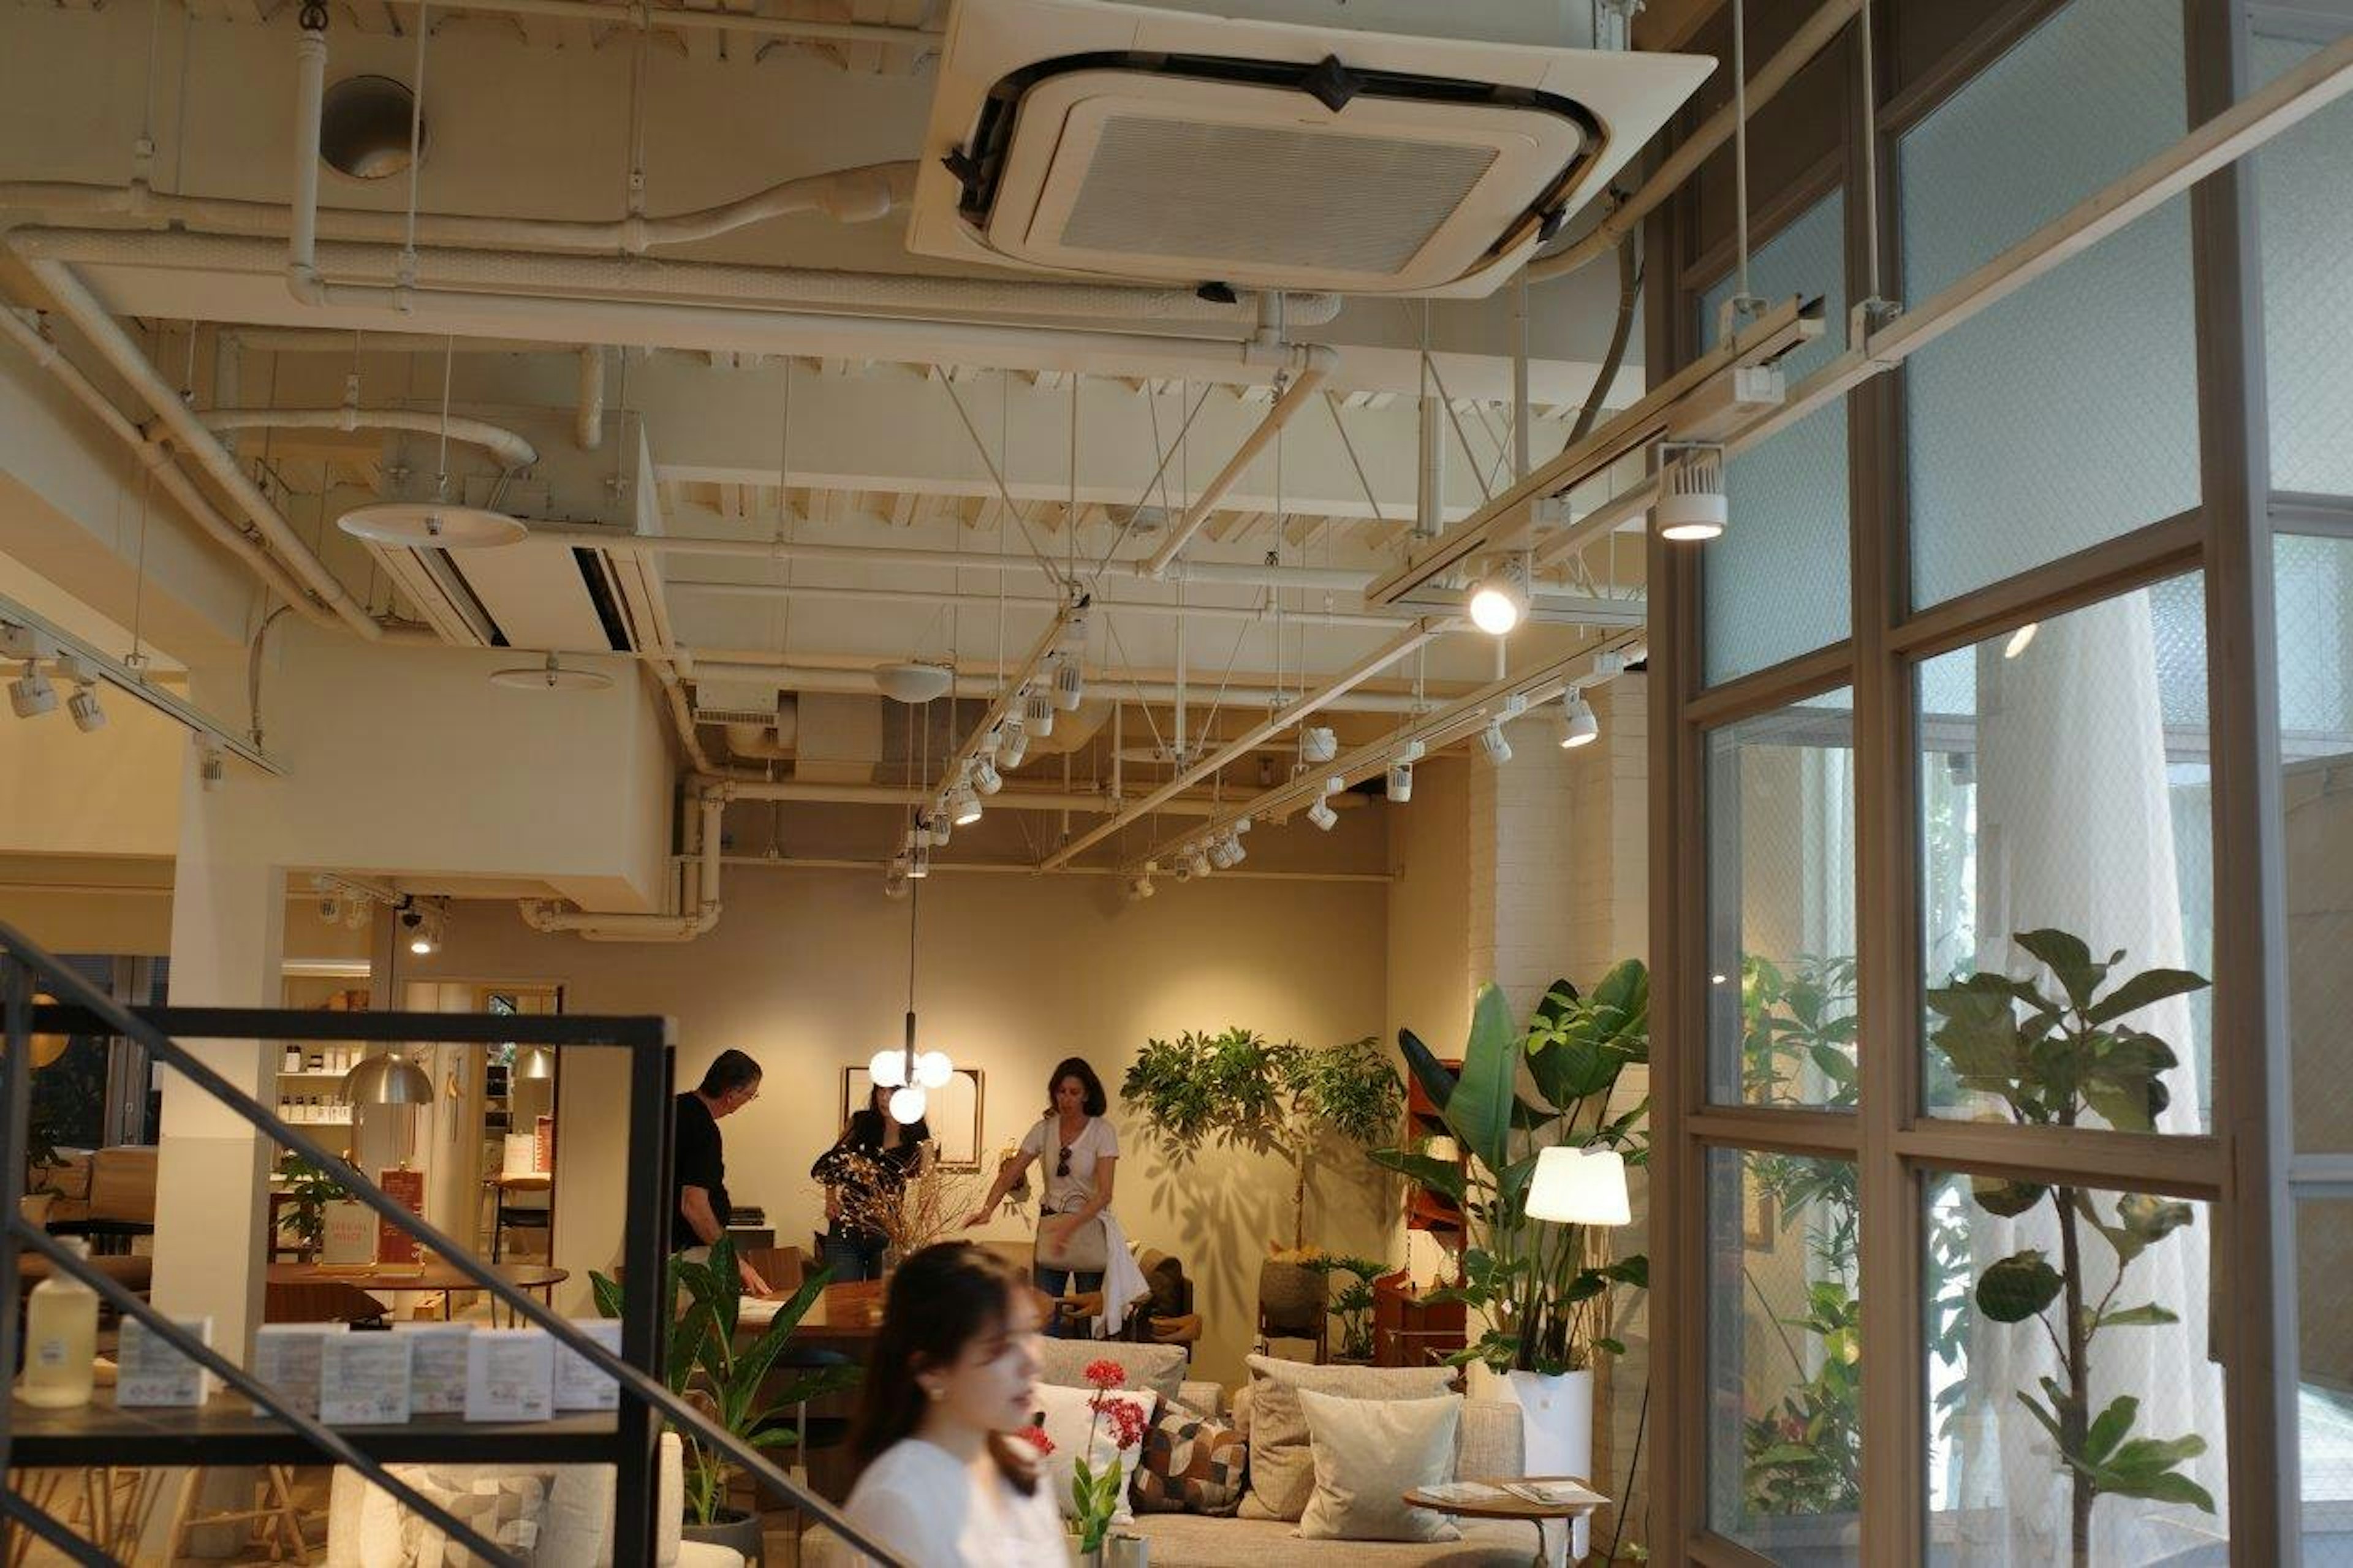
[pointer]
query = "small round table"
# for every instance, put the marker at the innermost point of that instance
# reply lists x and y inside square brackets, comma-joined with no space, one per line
[1554,1548]
[414,1279]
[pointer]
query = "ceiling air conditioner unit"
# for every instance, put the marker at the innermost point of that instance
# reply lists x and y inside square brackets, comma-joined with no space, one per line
[1090,138]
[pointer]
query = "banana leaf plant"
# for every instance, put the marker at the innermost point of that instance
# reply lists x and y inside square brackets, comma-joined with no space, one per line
[2050,1059]
[704,1365]
[1541,1289]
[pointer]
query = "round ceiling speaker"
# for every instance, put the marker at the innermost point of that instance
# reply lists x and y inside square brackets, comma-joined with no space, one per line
[551,677]
[913,684]
[430,525]
[363,124]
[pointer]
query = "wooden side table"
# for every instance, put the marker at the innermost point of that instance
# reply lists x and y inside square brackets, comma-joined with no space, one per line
[1555,1548]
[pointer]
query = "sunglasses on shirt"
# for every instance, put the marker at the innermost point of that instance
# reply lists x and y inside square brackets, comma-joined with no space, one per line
[1063,1166]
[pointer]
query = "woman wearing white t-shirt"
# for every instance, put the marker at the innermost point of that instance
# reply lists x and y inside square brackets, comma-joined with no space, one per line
[1080,1152]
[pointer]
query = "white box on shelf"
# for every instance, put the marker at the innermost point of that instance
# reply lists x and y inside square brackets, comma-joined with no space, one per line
[580,1386]
[521,1150]
[151,1372]
[366,1378]
[510,1375]
[436,1377]
[286,1356]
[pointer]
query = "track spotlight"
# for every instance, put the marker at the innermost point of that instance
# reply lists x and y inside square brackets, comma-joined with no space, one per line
[1184,868]
[1400,782]
[1499,601]
[330,909]
[1692,506]
[1012,740]
[985,776]
[1140,888]
[87,714]
[1037,711]
[1321,814]
[1497,749]
[1318,745]
[1336,784]
[31,695]
[1577,725]
[940,829]
[1197,860]
[919,862]
[421,924]
[894,880]
[1072,640]
[1070,684]
[964,806]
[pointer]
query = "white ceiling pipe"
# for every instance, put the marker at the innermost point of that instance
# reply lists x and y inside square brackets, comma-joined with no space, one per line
[758,744]
[511,450]
[342,344]
[1005,799]
[188,433]
[992,868]
[1238,574]
[1294,397]
[1421,634]
[1678,165]
[1039,602]
[588,422]
[246,542]
[650,17]
[1106,683]
[545,915]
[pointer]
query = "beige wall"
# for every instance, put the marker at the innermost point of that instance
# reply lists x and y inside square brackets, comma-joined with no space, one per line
[808,971]
[1430,980]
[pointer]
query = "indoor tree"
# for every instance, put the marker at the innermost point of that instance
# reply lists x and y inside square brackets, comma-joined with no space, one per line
[2050,1059]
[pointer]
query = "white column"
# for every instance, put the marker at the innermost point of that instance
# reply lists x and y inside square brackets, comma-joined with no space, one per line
[228,940]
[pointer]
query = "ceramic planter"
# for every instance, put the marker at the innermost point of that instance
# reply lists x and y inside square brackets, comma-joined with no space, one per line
[739,1532]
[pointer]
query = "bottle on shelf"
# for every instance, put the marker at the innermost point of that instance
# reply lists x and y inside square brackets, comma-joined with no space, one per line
[293,1062]
[60,1339]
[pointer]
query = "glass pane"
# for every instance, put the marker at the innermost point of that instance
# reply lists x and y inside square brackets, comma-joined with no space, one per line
[2303,191]
[1785,1356]
[2100,1443]
[2067,873]
[2065,415]
[1780,851]
[2324,1247]
[2312,588]
[1776,583]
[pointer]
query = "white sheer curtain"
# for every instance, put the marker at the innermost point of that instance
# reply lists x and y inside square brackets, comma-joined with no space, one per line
[2074,831]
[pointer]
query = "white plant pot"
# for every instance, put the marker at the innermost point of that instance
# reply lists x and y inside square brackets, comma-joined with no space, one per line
[1555,1422]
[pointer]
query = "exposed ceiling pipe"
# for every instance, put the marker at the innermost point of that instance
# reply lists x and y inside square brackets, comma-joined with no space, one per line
[1294,397]
[247,543]
[1108,683]
[1006,799]
[588,423]
[1421,635]
[1678,165]
[986,868]
[749,24]
[545,915]
[1385,619]
[1238,574]
[511,450]
[188,433]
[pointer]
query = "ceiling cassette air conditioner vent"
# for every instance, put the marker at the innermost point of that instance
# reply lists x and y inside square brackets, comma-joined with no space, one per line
[1086,138]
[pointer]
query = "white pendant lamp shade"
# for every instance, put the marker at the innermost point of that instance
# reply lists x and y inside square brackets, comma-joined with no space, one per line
[889,1069]
[906,1105]
[551,677]
[391,1080]
[933,1070]
[1579,1186]
[430,525]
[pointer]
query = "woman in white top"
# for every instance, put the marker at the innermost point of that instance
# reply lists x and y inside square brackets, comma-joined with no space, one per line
[945,1484]
[1084,1155]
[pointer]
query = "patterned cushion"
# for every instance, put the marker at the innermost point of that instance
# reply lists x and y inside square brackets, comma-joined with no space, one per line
[1192,1464]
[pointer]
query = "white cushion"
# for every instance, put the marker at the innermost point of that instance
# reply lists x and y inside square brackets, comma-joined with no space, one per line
[1369,1454]
[1070,1417]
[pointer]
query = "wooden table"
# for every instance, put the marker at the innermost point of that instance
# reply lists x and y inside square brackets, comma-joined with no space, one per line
[432,1275]
[1553,1549]
[845,1318]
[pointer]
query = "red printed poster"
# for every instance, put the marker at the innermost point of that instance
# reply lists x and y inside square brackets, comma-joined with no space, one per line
[544,1149]
[406,1188]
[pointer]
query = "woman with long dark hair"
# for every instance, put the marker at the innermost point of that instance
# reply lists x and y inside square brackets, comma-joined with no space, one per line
[1073,1243]
[865,1172]
[944,1483]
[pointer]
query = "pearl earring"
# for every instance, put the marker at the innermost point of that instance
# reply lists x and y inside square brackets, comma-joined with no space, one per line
[936,1391]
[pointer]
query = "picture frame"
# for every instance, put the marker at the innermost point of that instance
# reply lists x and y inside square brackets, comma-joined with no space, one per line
[954,1113]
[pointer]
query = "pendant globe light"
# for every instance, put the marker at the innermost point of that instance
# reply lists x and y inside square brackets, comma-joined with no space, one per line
[908,1074]
[435,524]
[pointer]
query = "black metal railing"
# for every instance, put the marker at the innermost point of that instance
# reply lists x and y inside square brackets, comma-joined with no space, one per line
[644,1399]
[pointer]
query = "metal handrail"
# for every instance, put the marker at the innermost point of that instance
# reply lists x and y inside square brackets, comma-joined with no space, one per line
[28,958]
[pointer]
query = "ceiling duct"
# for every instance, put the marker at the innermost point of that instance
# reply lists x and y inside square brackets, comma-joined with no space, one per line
[1090,138]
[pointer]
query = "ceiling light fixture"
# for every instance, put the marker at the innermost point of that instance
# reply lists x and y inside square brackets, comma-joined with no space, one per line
[31,695]
[1400,783]
[1321,814]
[552,676]
[1197,860]
[985,776]
[1070,684]
[1318,745]
[1012,740]
[964,806]
[421,924]
[1037,711]
[1499,601]
[1691,505]
[1578,727]
[436,524]
[907,1072]
[2021,640]
[1140,888]
[83,705]
[941,831]
[1497,749]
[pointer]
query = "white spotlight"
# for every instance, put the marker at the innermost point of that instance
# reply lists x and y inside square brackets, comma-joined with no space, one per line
[1317,744]
[1499,601]
[1072,640]
[330,909]
[907,1106]
[31,695]
[1321,814]
[1692,508]
[1037,711]
[1012,740]
[2021,640]
[1400,782]
[1235,852]
[894,880]
[87,714]
[1492,741]
[1197,860]
[964,806]
[889,1069]
[919,862]
[1140,888]
[1184,868]
[985,776]
[940,830]
[1336,784]
[1069,685]
[1577,725]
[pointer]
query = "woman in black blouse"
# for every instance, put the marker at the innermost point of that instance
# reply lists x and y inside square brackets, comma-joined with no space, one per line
[867,1169]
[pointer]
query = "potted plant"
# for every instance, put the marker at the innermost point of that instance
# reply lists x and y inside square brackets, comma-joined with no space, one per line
[1353,1304]
[309,1190]
[1542,1290]
[704,1365]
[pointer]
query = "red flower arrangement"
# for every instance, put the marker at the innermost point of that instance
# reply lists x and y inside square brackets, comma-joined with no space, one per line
[1095,1495]
[1106,1373]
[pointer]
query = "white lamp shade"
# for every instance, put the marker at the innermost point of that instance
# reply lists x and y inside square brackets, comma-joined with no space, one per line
[889,1069]
[906,1105]
[1579,1186]
[933,1070]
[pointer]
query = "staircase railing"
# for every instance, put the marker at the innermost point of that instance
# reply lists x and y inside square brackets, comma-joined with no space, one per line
[82,1008]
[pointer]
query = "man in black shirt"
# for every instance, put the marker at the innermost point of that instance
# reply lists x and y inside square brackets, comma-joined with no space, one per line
[698,1166]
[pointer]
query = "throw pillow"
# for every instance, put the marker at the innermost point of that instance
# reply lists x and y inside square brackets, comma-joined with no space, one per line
[1282,1466]
[1369,1454]
[1068,1416]
[1160,1368]
[1192,1464]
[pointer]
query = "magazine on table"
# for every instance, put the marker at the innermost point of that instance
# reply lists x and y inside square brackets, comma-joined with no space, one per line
[1554,1494]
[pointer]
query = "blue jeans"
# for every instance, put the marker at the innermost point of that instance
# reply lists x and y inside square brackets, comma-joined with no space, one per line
[1054,1282]
[853,1260]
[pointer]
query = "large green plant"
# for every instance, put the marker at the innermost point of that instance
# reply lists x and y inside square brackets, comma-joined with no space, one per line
[704,1366]
[1542,1289]
[1353,1302]
[1239,1089]
[2050,1058]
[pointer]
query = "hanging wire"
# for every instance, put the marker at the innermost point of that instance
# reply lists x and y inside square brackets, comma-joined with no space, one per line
[1740,150]
[448,359]
[1870,163]
[415,134]
[784,504]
